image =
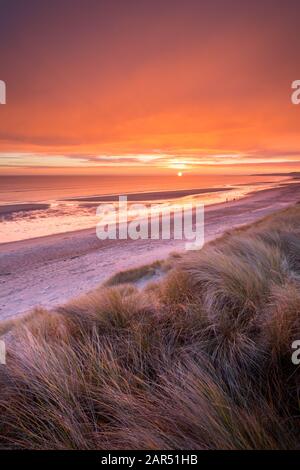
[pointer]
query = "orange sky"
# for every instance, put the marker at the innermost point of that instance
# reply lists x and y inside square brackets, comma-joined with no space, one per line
[140,86]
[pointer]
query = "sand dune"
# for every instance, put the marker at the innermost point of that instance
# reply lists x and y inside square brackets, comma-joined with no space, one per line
[202,359]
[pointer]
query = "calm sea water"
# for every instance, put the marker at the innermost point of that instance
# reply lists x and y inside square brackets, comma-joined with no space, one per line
[63,215]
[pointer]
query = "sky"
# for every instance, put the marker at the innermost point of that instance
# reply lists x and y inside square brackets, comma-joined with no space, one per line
[148,86]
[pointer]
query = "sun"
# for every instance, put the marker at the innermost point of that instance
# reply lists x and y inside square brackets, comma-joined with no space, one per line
[179,173]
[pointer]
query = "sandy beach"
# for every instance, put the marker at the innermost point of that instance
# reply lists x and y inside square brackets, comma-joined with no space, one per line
[50,270]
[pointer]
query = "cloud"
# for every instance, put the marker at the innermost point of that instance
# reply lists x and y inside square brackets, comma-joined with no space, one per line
[188,160]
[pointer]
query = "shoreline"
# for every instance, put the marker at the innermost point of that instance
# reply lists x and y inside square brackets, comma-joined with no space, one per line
[92,229]
[13,231]
[8,209]
[48,271]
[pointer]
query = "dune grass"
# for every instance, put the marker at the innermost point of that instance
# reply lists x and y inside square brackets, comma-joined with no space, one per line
[198,360]
[143,273]
[135,274]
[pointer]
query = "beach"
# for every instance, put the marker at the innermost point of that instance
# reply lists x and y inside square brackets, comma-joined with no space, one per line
[48,271]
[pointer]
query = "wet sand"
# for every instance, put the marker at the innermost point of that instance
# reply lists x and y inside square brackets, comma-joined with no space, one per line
[49,271]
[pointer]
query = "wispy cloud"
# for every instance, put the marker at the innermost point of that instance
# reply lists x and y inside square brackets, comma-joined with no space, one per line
[185,159]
